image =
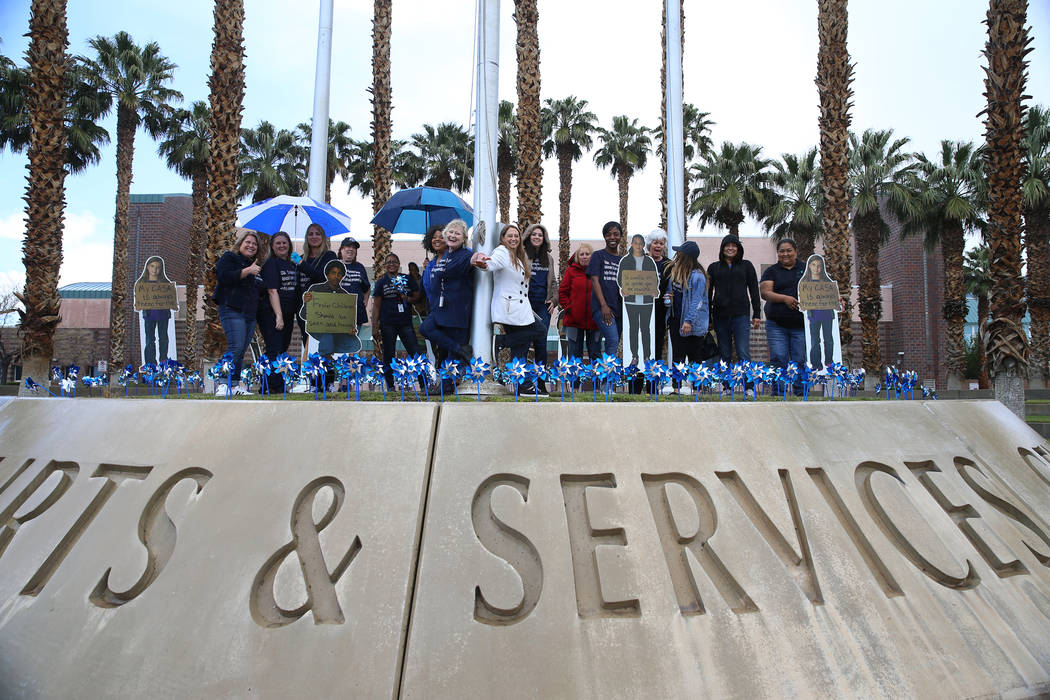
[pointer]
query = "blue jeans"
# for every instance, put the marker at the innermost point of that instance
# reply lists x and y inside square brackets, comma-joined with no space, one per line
[785,344]
[577,337]
[734,330]
[239,329]
[609,333]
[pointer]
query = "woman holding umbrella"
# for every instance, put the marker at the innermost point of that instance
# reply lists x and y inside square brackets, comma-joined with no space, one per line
[451,295]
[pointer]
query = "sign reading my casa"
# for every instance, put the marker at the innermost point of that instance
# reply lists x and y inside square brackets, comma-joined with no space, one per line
[153,289]
[328,312]
[640,283]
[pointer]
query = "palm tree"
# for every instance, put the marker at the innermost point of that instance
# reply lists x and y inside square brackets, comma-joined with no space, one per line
[978,282]
[947,205]
[529,127]
[381,124]
[624,151]
[731,183]
[1004,85]
[834,75]
[796,211]
[136,78]
[272,161]
[444,156]
[45,190]
[225,105]
[85,105]
[506,155]
[337,159]
[361,167]
[1035,205]
[879,170]
[186,148]
[696,142]
[568,128]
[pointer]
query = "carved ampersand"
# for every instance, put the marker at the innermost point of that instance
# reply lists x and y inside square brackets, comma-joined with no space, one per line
[320,584]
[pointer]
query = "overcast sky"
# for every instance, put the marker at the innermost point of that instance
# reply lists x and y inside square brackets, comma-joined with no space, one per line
[750,64]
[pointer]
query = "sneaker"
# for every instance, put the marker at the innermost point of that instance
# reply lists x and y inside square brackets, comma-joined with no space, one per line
[750,393]
[529,389]
[240,391]
[301,388]
[668,389]
[221,389]
[465,353]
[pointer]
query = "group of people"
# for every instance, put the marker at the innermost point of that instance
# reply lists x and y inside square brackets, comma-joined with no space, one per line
[259,284]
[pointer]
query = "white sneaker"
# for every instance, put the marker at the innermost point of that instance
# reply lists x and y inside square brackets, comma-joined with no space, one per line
[300,388]
[221,389]
[240,391]
[668,389]
[750,393]
[333,387]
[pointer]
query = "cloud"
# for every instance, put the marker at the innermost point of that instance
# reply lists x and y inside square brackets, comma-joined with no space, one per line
[87,252]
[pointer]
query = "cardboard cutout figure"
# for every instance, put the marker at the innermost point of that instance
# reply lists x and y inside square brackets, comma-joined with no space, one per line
[330,313]
[155,298]
[639,281]
[818,298]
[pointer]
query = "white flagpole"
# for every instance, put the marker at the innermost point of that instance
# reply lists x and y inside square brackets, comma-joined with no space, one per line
[322,85]
[486,204]
[673,120]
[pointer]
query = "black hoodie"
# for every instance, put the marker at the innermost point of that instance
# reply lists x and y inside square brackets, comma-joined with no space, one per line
[730,282]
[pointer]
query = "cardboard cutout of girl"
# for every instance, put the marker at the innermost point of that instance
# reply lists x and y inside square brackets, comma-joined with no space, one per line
[155,299]
[329,341]
[639,282]
[818,297]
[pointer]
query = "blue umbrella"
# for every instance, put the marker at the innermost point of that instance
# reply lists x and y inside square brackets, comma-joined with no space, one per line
[292,215]
[417,209]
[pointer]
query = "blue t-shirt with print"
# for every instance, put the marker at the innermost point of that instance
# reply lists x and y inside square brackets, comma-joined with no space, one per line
[539,270]
[282,275]
[393,310]
[604,266]
[356,282]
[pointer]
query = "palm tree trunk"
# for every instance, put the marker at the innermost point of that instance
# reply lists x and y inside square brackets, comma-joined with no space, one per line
[198,231]
[382,174]
[1004,84]
[227,94]
[952,244]
[45,191]
[1037,245]
[983,380]
[530,137]
[834,75]
[118,309]
[328,188]
[622,182]
[564,199]
[806,242]
[503,185]
[868,231]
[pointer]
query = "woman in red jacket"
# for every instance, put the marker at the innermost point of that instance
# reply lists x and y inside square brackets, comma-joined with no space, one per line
[574,297]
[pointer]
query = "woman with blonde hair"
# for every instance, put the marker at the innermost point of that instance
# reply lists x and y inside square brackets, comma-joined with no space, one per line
[687,315]
[237,296]
[574,295]
[317,253]
[451,295]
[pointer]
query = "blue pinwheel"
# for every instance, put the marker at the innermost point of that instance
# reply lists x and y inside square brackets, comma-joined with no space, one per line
[516,373]
[451,372]
[477,371]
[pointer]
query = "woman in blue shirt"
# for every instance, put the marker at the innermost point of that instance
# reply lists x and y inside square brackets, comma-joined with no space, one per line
[392,313]
[451,296]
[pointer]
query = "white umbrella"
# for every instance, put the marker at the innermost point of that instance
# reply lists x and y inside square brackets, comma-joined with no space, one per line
[292,215]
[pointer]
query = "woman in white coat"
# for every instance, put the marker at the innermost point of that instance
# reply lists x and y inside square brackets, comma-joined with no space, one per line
[509,265]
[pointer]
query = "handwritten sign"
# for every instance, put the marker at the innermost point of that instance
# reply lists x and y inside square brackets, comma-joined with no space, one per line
[639,282]
[155,295]
[814,295]
[331,313]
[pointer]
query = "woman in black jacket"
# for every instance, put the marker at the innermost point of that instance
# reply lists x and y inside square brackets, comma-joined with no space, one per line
[735,300]
[237,296]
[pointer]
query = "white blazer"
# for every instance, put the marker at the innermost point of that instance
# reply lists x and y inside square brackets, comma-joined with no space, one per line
[510,290]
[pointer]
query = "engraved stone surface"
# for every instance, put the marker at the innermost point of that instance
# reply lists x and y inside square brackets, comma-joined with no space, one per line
[895,549]
[207,549]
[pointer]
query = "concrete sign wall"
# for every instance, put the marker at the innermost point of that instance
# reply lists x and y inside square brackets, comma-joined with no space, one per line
[716,550]
[207,549]
[221,549]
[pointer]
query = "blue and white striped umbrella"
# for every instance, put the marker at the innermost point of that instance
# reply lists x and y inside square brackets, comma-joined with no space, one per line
[292,215]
